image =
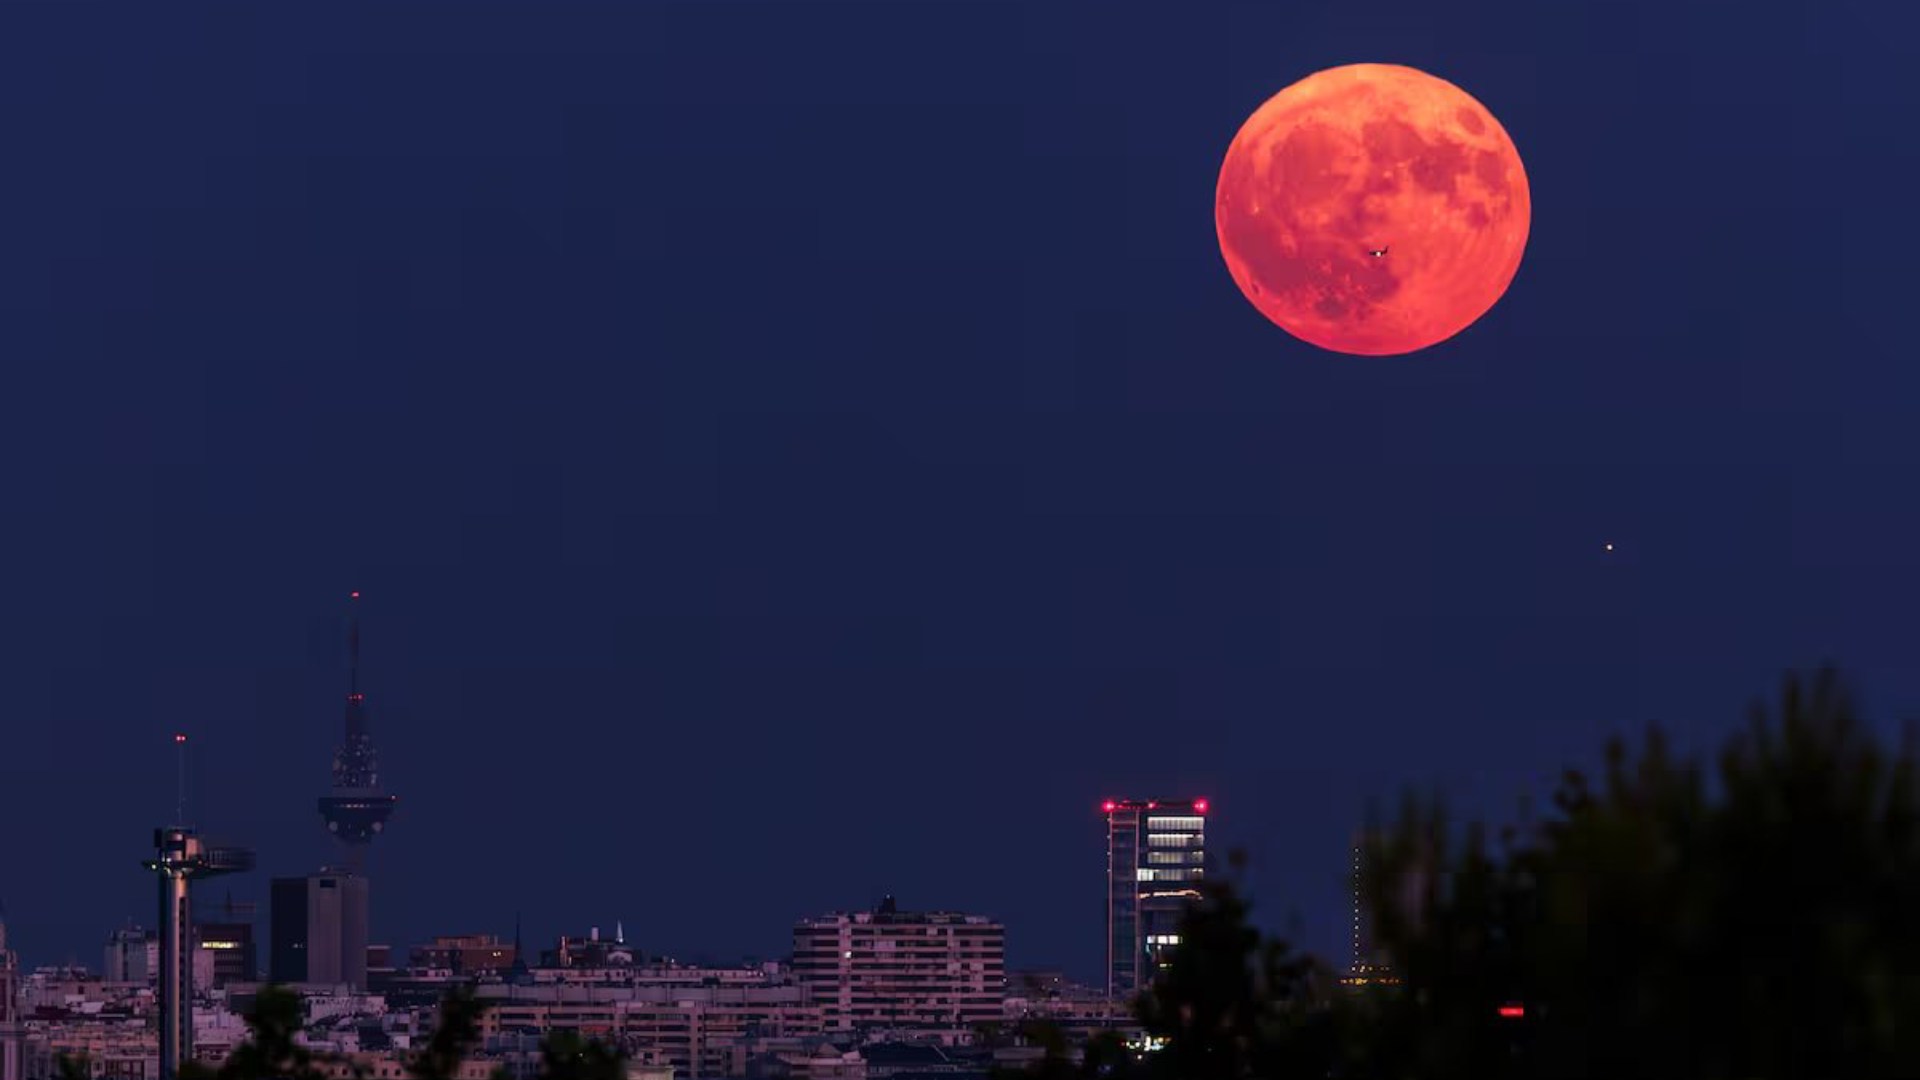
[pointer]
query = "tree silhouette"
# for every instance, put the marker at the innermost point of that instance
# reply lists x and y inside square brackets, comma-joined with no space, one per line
[1104,1057]
[1234,1004]
[564,1055]
[457,1033]
[1749,921]
[273,1051]
[1749,916]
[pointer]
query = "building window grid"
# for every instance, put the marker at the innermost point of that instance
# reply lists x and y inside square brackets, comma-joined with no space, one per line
[1145,849]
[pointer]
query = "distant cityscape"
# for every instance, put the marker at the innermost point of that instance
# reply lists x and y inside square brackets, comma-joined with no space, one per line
[882,994]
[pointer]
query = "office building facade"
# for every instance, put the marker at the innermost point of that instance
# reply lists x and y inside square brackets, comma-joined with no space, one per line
[319,930]
[228,935]
[465,954]
[232,954]
[132,955]
[1156,859]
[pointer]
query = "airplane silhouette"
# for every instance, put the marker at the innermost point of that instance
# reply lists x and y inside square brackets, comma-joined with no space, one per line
[1377,252]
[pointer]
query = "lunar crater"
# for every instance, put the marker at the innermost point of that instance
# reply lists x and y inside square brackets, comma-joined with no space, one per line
[1361,158]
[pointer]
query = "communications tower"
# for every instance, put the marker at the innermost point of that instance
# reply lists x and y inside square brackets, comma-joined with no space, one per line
[181,857]
[356,810]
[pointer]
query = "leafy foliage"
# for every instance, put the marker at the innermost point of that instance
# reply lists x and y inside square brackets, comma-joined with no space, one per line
[273,1050]
[1233,1004]
[457,1033]
[1747,917]
[1749,921]
[1104,1057]
[566,1056]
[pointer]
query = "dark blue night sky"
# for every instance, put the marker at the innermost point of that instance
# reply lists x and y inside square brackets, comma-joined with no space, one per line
[800,452]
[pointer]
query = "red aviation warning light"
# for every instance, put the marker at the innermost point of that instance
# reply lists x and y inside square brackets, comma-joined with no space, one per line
[179,739]
[1109,806]
[1199,806]
[1512,1012]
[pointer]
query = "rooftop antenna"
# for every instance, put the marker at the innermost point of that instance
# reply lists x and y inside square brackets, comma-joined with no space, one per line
[180,783]
[353,646]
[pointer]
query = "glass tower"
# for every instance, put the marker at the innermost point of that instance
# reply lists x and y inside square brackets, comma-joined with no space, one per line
[1156,856]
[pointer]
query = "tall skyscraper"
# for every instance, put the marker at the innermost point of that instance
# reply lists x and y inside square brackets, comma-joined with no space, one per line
[1371,963]
[319,930]
[1156,858]
[13,1043]
[1362,919]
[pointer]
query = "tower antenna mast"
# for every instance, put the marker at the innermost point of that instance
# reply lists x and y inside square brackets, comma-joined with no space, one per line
[356,808]
[180,780]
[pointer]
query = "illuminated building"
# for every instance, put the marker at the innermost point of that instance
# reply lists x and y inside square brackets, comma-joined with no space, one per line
[1156,857]
[232,955]
[132,958]
[230,945]
[890,968]
[1369,964]
[464,954]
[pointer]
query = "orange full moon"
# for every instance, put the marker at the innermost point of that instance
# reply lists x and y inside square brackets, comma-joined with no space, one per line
[1372,209]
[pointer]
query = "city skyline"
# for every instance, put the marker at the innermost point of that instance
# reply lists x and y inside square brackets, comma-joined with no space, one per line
[763,429]
[318,926]
[890,985]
